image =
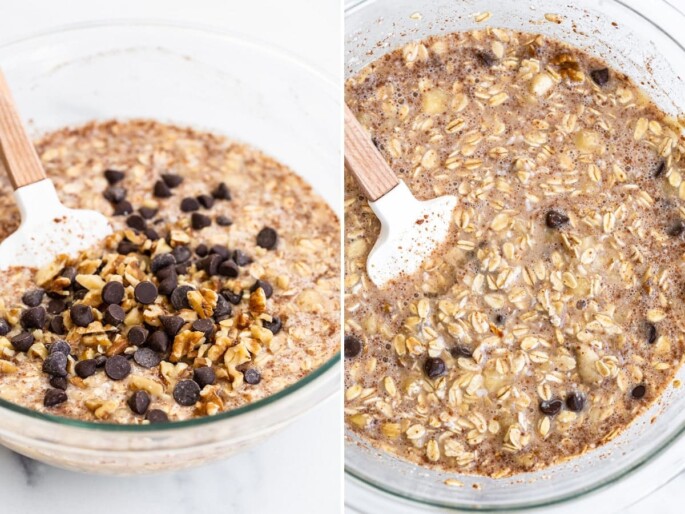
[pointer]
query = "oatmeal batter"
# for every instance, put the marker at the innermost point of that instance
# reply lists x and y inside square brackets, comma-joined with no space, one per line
[219,287]
[554,314]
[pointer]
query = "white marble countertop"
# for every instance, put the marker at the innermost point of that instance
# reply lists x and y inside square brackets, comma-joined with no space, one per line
[298,470]
[295,472]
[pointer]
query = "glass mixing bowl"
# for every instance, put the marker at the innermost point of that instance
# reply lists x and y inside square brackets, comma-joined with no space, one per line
[208,80]
[652,450]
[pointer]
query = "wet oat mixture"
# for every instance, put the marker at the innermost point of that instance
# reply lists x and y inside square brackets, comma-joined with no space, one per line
[554,314]
[220,285]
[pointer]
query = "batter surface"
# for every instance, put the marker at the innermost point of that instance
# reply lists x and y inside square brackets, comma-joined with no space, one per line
[219,287]
[554,314]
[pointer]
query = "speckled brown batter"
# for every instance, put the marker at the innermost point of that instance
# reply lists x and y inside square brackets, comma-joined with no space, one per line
[554,314]
[263,345]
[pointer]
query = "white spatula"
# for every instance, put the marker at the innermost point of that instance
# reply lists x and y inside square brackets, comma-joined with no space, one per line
[410,229]
[47,227]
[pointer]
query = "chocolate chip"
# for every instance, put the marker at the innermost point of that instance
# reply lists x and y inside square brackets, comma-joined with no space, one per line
[267,238]
[660,168]
[461,351]
[434,367]
[148,212]
[199,221]
[125,247]
[136,222]
[161,190]
[161,261]
[172,180]
[33,297]
[79,294]
[241,258]
[221,192]
[114,194]
[676,229]
[54,397]
[600,76]
[158,341]
[157,416]
[166,272]
[179,298]
[181,254]
[69,273]
[190,205]
[220,250]
[147,358]
[4,327]
[55,306]
[204,375]
[114,176]
[206,201]
[210,264]
[114,315]
[556,219]
[81,314]
[638,392]
[252,376]
[137,335]
[60,346]
[117,367]
[231,297]
[55,364]
[224,221]
[57,325]
[113,292]
[651,332]
[167,286]
[22,342]
[205,326]
[85,368]
[59,383]
[353,346]
[186,393]
[171,324]
[575,402]
[229,269]
[139,402]
[275,325]
[145,292]
[151,234]
[486,58]
[202,250]
[123,208]
[551,407]
[268,290]
[222,309]
[100,360]
[33,317]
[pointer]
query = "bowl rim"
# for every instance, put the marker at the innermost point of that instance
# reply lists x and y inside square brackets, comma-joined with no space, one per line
[331,366]
[352,7]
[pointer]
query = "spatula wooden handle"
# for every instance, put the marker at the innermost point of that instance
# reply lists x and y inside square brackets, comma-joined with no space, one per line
[365,161]
[16,150]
